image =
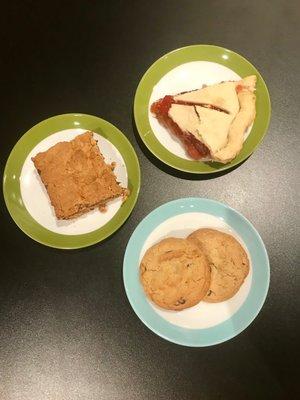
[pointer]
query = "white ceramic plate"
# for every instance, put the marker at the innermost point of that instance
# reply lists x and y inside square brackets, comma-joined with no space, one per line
[204,324]
[27,200]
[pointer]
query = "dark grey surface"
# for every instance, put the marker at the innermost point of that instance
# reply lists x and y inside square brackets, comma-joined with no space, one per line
[66,328]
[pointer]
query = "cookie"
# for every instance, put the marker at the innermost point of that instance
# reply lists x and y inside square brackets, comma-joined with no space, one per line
[175,274]
[228,261]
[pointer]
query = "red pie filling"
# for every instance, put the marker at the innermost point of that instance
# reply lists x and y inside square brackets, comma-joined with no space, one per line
[239,88]
[194,147]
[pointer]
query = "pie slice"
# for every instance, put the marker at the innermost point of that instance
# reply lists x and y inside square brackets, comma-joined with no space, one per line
[76,177]
[210,122]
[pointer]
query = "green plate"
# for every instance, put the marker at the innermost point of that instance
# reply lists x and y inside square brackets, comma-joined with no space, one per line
[215,54]
[12,173]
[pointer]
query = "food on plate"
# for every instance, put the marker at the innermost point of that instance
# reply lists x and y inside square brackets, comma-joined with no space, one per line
[228,261]
[208,265]
[211,121]
[175,274]
[76,177]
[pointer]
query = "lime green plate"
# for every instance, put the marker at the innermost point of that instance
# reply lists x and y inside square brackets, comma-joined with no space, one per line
[15,178]
[227,65]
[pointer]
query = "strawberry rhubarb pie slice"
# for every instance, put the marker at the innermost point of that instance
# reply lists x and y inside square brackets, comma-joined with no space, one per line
[210,122]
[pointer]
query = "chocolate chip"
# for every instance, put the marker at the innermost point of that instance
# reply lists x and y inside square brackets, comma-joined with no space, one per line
[180,301]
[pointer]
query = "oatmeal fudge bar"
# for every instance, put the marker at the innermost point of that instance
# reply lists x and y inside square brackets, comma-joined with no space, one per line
[76,176]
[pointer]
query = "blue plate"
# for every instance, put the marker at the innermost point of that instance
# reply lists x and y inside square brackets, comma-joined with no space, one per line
[244,315]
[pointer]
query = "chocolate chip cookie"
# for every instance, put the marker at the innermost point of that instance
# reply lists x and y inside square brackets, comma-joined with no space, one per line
[175,274]
[228,261]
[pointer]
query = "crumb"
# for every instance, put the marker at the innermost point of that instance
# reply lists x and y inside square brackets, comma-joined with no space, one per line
[125,194]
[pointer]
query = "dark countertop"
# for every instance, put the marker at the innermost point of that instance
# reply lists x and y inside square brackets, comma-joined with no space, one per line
[67,330]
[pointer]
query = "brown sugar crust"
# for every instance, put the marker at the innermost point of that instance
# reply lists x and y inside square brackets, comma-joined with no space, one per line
[76,176]
[228,261]
[175,274]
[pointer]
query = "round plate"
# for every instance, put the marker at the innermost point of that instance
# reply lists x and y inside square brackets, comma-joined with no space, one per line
[205,324]
[186,69]
[27,200]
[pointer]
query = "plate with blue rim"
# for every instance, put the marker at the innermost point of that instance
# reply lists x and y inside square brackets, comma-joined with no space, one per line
[205,324]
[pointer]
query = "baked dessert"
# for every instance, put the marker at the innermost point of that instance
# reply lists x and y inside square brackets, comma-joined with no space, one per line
[211,121]
[228,261]
[76,177]
[175,274]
